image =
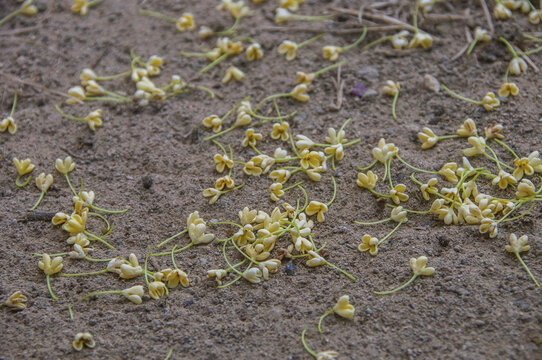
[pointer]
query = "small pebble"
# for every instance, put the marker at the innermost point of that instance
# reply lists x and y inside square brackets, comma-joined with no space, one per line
[431,83]
[290,269]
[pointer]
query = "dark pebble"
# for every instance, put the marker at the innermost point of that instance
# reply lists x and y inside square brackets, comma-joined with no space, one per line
[147,181]
[290,269]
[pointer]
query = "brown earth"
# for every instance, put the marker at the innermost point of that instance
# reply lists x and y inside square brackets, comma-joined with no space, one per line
[479,304]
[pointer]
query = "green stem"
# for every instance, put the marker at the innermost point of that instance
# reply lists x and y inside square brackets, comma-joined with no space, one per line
[267,118]
[15,97]
[10,16]
[102,218]
[101,292]
[379,194]
[293,186]
[70,184]
[306,198]
[416,10]
[387,236]
[105,98]
[322,318]
[388,169]
[270,97]
[377,41]
[311,40]
[228,261]
[443,137]
[357,42]
[84,274]
[294,148]
[231,30]
[47,278]
[341,270]
[146,261]
[307,348]
[220,146]
[176,251]
[327,68]
[96,260]
[95,237]
[374,222]
[113,77]
[157,15]
[527,269]
[456,95]
[227,223]
[415,168]
[367,167]
[509,46]
[471,47]
[310,18]
[171,238]
[37,202]
[23,184]
[334,191]
[397,289]
[57,107]
[94,207]
[533,51]
[168,356]
[215,62]
[506,147]
[70,311]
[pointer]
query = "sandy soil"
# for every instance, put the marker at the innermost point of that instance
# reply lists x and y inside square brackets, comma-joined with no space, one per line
[479,304]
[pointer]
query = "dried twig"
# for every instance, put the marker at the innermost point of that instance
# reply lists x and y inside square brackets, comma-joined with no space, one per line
[32,84]
[464,48]
[488,16]
[36,216]
[381,17]
[446,17]
[339,85]
[332,31]
[19,31]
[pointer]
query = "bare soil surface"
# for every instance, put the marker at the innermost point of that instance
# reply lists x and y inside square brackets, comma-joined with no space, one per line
[479,304]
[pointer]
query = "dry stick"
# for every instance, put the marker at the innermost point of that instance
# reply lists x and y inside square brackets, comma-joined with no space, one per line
[19,31]
[339,85]
[331,31]
[32,84]
[488,16]
[381,17]
[446,17]
[464,48]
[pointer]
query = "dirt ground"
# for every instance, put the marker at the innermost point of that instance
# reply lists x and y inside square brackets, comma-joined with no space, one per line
[479,304]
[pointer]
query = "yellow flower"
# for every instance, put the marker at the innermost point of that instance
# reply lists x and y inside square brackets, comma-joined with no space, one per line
[501,12]
[311,159]
[44,182]
[508,89]
[185,22]
[224,182]
[276,191]
[517,66]
[369,243]
[335,150]
[49,266]
[233,73]
[303,142]
[17,301]
[282,15]
[384,151]
[244,235]
[535,162]
[304,78]
[482,34]
[331,52]
[525,189]
[448,172]
[503,180]
[217,274]
[78,239]
[398,214]
[29,9]
[391,88]
[429,188]
[314,259]
[418,266]
[468,128]
[132,270]
[399,41]
[421,39]
[229,47]
[213,54]
[222,161]
[65,166]
[327,355]
[299,93]
[76,223]
[212,193]
[254,52]
[343,308]
[134,294]
[60,218]
[77,95]
[80,6]
[9,125]
[518,245]
[280,131]
[478,145]
[269,267]
[397,194]
[94,120]
[535,17]
[205,32]
[522,168]
[23,166]
[197,234]
[489,225]
[253,275]
[427,138]
[213,122]
[172,277]
[280,176]
[83,339]
[251,137]
[291,5]
[244,114]
[157,289]
[367,181]
[280,153]
[316,207]
[494,131]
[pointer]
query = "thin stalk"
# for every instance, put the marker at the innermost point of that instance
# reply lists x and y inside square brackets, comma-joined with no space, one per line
[397,289]
[23,184]
[334,191]
[322,318]
[327,68]
[443,137]
[307,348]
[311,40]
[527,269]
[70,184]
[70,311]
[367,167]
[395,97]
[270,97]
[341,270]
[471,46]
[416,10]
[10,16]
[84,274]
[509,46]
[215,62]
[168,356]
[294,148]
[101,292]
[157,15]
[47,278]
[113,77]
[228,261]
[94,207]
[171,238]
[456,95]
[357,42]
[387,236]
[220,146]
[37,202]
[388,169]
[506,147]
[533,51]
[306,197]
[415,168]
[231,30]
[57,107]
[95,237]
[374,222]
[379,194]
[102,218]
[176,251]
[377,41]
[15,97]
[146,261]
